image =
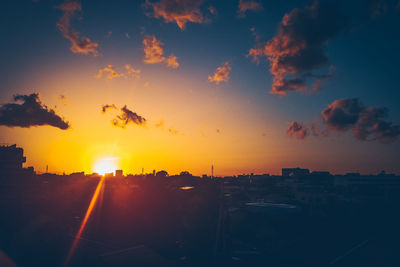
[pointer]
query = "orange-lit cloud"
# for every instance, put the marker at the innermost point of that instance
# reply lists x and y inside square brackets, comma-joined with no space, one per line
[298,48]
[178,11]
[154,53]
[160,124]
[245,6]
[172,62]
[297,130]
[125,117]
[221,74]
[79,44]
[131,72]
[110,73]
[32,112]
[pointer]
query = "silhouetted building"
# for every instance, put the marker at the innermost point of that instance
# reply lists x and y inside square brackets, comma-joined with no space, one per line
[11,158]
[119,173]
[295,172]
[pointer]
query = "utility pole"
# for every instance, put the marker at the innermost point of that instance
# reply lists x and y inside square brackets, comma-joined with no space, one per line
[212,171]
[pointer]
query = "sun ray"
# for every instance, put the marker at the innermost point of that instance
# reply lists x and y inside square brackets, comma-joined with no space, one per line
[92,204]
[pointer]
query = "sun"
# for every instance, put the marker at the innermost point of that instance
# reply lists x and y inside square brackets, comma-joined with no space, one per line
[105,165]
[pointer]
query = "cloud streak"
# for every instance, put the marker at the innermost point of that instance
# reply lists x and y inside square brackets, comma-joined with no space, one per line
[31,112]
[79,44]
[298,47]
[177,11]
[154,53]
[221,74]
[109,72]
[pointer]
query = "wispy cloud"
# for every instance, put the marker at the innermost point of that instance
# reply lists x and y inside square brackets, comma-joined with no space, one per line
[31,112]
[178,11]
[221,74]
[79,44]
[154,53]
[245,6]
[109,72]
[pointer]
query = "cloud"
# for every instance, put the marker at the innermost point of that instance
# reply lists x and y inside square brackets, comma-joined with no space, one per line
[79,44]
[248,5]
[376,8]
[221,74]
[109,72]
[349,114]
[173,131]
[298,47]
[132,72]
[160,124]
[342,114]
[177,11]
[154,53]
[125,117]
[172,62]
[297,130]
[367,123]
[31,112]
[104,108]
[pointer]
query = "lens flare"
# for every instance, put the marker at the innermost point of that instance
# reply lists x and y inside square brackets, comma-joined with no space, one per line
[99,190]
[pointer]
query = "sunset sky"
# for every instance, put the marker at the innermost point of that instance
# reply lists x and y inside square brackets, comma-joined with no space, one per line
[248,86]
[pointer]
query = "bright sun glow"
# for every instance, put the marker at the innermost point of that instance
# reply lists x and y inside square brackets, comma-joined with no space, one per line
[105,165]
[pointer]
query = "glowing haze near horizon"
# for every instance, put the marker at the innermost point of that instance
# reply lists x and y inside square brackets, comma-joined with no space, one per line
[206,97]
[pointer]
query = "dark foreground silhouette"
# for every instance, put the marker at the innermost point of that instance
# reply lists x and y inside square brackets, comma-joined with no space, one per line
[297,219]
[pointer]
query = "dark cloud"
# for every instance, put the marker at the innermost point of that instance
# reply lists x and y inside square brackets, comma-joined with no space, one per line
[367,123]
[31,112]
[342,114]
[373,126]
[125,117]
[178,11]
[79,44]
[297,130]
[104,108]
[298,48]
